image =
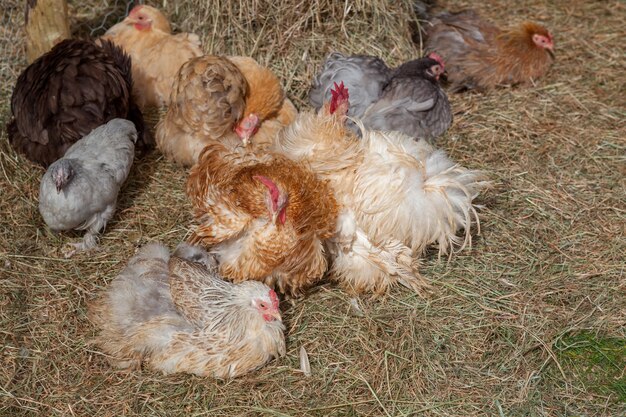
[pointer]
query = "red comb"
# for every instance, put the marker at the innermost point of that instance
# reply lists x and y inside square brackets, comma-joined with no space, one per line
[339,95]
[135,9]
[437,58]
[271,186]
[274,299]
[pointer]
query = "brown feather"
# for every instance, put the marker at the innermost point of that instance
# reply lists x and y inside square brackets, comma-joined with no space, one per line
[208,99]
[479,55]
[230,206]
[68,92]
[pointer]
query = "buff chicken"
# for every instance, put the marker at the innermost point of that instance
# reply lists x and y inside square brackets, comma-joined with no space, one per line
[406,99]
[176,314]
[234,101]
[396,196]
[66,93]
[265,217]
[479,55]
[157,54]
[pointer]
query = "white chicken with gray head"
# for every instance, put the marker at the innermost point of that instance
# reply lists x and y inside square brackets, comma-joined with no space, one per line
[79,191]
[176,314]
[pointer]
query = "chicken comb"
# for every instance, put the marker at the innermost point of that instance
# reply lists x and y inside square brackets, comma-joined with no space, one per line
[272,187]
[339,95]
[438,58]
[135,9]
[274,299]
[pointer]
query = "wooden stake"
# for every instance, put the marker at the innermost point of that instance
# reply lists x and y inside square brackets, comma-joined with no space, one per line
[46,25]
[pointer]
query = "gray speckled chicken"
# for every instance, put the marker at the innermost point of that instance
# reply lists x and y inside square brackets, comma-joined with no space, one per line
[79,191]
[176,314]
[406,99]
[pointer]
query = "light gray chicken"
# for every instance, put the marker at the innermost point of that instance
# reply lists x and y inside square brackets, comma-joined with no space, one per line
[79,191]
[406,99]
[177,315]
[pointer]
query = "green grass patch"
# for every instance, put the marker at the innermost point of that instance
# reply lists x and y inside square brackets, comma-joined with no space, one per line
[598,362]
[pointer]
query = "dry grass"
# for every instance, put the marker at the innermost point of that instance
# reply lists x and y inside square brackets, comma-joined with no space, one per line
[550,261]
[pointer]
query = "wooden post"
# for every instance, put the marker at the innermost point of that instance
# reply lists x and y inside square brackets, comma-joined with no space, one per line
[46,25]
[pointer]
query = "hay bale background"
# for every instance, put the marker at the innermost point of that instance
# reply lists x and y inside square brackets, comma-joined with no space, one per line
[490,341]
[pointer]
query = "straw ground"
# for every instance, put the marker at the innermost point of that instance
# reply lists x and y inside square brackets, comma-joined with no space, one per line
[530,321]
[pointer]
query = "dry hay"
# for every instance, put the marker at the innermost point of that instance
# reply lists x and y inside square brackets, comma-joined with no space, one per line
[549,263]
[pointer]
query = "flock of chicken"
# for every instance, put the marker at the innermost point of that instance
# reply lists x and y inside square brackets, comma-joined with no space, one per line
[354,190]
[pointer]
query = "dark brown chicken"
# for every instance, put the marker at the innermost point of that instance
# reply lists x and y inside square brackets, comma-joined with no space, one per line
[479,55]
[68,92]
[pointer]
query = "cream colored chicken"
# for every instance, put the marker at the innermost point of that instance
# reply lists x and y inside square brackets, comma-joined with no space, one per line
[157,55]
[177,315]
[396,196]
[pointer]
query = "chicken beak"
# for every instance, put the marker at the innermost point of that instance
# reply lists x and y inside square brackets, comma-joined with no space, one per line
[274,217]
[276,315]
[551,52]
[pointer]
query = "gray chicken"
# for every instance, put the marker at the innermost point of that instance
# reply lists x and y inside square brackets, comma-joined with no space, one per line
[176,314]
[79,191]
[406,99]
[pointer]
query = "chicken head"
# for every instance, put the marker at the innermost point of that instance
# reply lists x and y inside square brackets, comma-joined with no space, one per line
[247,127]
[276,200]
[144,17]
[62,173]
[268,306]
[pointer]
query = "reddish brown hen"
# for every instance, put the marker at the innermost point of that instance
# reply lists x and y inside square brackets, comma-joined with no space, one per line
[479,55]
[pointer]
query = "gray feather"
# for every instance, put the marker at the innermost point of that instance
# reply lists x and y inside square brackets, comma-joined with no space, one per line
[101,162]
[363,76]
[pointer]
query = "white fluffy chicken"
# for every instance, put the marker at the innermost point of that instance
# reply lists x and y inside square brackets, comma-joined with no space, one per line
[398,196]
[79,191]
[177,315]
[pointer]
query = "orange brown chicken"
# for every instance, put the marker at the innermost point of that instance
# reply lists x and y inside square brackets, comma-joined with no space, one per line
[266,100]
[157,54]
[479,55]
[265,217]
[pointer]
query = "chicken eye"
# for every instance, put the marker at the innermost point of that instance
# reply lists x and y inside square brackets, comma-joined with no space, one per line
[262,305]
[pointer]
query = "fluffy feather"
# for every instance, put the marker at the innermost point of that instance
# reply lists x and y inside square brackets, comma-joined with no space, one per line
[157,54]
[397,197]
[265,217]
[66,93]
[177,315]
[79,191]
[208,100]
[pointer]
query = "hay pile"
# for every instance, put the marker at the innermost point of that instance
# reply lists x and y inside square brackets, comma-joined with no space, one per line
[489,341]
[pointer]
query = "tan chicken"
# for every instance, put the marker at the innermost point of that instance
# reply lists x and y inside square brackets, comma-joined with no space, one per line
[396,196]
[234,101]
[265,217]
[157,55]
[177,315]
[208,103]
